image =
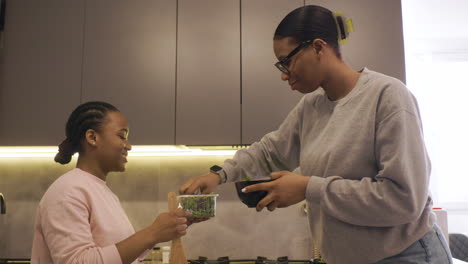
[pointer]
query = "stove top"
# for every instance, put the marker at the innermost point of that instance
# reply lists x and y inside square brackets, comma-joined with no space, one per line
[221,260]
[258,260]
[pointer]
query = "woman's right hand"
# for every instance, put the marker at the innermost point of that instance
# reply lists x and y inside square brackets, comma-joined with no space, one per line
[170,225]
[166,227]
[204,183]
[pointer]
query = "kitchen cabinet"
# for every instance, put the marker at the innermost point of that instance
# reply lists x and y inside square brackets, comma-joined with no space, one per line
[41,71]
[183,72]
[129,61]
[266,99]
[377,42]
[208,72]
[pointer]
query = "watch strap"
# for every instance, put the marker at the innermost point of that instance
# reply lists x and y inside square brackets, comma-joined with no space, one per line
[220,172]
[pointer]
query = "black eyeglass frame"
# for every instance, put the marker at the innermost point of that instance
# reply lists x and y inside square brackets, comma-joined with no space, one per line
[282,64]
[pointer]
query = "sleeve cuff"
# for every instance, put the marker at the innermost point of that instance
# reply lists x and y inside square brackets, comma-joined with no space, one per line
[222,176]
[314,189]
[144,255]
[227,170]
[110,254]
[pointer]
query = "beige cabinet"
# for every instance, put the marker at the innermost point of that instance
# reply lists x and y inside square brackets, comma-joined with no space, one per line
[41,70]
[208,72]
[129,61]
[266,99]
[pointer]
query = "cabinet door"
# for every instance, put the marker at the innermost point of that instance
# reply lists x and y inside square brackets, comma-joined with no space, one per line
[377,42]
[129,61]
[41,75]
[266,99]
[208,72]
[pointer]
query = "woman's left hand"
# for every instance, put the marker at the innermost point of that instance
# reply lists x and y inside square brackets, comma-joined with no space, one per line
[287,189]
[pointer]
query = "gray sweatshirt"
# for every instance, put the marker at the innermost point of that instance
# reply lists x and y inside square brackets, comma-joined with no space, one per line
[368,191]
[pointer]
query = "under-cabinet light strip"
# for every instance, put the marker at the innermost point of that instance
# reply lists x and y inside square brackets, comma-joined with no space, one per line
[137,151]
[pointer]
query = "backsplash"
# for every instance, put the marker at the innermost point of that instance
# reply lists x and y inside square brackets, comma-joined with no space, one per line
[236,231]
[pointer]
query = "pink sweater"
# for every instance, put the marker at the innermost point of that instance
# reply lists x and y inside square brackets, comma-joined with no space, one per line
[79,220]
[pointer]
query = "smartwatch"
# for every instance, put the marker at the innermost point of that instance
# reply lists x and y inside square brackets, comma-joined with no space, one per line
[220,172]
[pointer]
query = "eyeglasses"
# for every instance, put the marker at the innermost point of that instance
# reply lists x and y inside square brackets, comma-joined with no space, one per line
[282,65]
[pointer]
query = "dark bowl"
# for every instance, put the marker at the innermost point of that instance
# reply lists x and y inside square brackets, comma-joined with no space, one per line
[250,199]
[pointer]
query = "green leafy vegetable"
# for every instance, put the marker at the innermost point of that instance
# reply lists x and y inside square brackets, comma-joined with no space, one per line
[200,206]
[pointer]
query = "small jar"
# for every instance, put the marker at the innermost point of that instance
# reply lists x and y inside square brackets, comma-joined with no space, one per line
[156,256]
[166,251]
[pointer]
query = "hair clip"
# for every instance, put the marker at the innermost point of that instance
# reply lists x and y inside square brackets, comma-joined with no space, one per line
[344,25]
[349,25]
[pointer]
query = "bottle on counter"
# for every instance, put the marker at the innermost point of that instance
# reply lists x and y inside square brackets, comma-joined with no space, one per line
[317,259]
[166,251]
[156,256]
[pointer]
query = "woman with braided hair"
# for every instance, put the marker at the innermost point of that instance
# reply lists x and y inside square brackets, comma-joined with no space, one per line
[358,141]
[79,219]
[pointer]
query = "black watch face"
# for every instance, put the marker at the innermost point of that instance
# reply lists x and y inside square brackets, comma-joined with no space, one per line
[215,168]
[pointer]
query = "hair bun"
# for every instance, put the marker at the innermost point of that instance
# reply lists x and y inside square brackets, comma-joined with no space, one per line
[63,158]
[65,153]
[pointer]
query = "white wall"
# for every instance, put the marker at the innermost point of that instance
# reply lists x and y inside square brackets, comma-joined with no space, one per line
[436,49]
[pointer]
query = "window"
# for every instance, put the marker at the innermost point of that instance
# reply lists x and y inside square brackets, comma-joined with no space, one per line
[436,55]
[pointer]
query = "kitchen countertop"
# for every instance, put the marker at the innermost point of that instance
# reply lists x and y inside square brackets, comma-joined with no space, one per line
[455,261]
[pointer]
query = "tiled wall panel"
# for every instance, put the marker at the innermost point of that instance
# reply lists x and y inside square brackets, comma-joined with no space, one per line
[236,231]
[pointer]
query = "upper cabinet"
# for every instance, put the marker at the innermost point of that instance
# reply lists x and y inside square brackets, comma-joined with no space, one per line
[208,72]
[41,71]
[377,42]
[183,72]
[266,99]
[129,61]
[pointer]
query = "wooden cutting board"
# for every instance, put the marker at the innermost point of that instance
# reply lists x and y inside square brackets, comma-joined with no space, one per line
[177,255]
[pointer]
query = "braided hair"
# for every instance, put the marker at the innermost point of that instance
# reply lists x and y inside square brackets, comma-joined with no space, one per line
[86,116]
[311,22]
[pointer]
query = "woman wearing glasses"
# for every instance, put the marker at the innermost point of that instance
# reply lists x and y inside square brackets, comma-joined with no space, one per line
[358,140]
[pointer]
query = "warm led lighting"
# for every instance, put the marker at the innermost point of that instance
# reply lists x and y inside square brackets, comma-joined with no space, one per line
[137,151]
[23,152]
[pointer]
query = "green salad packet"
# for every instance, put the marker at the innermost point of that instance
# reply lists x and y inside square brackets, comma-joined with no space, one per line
[201,205]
